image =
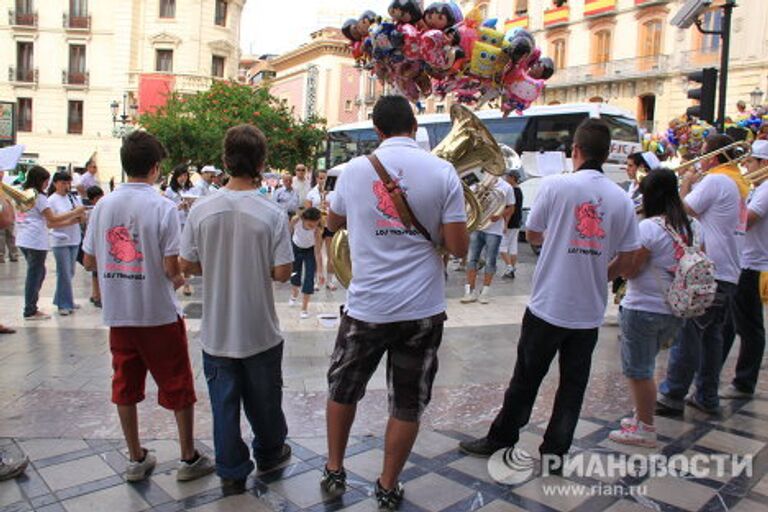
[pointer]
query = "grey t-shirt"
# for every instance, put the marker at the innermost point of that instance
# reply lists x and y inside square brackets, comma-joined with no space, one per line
[238,237]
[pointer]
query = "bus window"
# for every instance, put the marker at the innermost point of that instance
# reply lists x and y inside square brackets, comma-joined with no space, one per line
[437,132]
[342,148]
[622,128]
[555,133]
[367,141]
[509,131]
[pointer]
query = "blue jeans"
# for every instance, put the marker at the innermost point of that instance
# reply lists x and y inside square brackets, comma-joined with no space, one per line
[698,352]
[35,277]
[304,258]
[478,240]
[256,383]
[642,334]
[66,257]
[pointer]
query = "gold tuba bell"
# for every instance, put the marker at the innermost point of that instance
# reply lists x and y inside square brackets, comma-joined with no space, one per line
[22,199]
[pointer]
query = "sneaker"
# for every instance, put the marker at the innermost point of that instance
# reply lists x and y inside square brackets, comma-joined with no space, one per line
[485,295]
[389,499]
[230,487]
[292,301]
[65,312]
[38,316]
[732,392]
[194,470]
[639,435]
[96,302]
[12,468]
[693,402]
[285,454]
[666,406]
[304,315]
[628,422]
[333,482]
[469,295]
[482,447]
[138,470]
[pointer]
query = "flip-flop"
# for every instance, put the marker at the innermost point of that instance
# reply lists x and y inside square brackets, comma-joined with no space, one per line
[6,330]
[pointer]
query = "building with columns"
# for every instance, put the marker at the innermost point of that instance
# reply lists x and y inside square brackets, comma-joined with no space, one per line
[69,60]
[626,53]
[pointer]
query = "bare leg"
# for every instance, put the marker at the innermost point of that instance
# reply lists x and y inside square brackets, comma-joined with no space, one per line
[487,279]
[305,302]
[330,271]
[95,288]
[129,421]
[513,260]
[294,292]
[339,418]
[397,447]
[506,258]
[319,258]
[185,423]
[471,278]
[644,392]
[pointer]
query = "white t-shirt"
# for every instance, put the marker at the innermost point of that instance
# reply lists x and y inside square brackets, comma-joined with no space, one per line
[497,228]
[202,189]
[719,208]
[647,290]
[303,238]
[238,237]
[587,220]
[130,232]
[755,254]
[88,180]
[302,187]
[31,226]
[397,273]
[177,199]
[69,235]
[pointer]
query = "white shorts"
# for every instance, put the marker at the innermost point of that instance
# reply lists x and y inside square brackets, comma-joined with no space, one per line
[509,242]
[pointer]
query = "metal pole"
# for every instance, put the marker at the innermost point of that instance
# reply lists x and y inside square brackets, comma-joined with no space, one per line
[725,36]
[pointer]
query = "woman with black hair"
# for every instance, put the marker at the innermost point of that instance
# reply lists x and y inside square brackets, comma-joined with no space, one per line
[178,186]
[65,241]
[32,237]
[638,165]
[646,319]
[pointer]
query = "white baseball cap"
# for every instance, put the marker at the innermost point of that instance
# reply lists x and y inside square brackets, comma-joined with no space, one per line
[760,149]
[211,169]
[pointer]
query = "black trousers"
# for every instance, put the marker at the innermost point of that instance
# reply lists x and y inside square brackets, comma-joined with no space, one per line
[540,341]
[746,320]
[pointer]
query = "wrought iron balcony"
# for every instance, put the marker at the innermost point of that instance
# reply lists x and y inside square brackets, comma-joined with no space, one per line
[22,19]
[75,78]
[71,22]
[23,75]
[611,71]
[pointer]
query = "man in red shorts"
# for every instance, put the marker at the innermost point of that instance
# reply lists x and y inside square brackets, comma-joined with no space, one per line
[133,243]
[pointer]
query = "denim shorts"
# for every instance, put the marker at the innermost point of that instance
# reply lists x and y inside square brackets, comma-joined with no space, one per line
[479,240]
[642,335]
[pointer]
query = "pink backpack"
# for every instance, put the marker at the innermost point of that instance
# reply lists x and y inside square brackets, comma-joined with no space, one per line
[693,288]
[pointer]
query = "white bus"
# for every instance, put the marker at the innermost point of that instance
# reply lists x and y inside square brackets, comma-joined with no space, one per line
[544,128]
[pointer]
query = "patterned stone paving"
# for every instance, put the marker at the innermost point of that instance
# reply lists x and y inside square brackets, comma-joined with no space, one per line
[54,406]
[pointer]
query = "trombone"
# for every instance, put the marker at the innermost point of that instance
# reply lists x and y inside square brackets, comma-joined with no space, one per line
[23,199]
[757,176]
[735,153]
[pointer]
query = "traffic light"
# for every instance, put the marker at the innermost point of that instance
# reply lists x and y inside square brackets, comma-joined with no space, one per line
[705,94]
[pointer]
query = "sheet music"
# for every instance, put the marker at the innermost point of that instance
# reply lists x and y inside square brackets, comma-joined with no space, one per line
[10,156]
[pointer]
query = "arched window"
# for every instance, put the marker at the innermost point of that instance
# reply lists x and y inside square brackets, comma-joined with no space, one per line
[601,46]
[650,38]
[557,50]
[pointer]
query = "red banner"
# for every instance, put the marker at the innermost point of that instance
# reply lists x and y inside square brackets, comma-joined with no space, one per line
[153,91]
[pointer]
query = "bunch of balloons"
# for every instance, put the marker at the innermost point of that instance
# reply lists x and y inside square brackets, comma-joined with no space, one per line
[687,136]
[440,51]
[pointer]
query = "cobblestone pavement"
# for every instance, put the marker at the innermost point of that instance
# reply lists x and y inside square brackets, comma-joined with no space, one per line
[54,406]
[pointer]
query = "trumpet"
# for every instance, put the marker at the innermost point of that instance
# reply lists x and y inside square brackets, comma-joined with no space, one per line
[23,199]
[735,153]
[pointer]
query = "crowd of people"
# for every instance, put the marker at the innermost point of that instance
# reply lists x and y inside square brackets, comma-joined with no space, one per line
[691,250]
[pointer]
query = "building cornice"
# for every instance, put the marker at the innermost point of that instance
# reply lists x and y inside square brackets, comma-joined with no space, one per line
[311,51]
[165,38]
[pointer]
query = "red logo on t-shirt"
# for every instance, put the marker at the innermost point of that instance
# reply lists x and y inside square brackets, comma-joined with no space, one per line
[589,220]
[385,204]
[122,246]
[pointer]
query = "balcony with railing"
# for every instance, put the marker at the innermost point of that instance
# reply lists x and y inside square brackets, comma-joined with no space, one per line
[79,79]
[21,76]
[611,71]
[22,19]
[76,22]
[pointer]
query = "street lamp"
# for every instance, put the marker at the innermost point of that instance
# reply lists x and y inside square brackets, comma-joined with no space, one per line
[756,97]
[125,119]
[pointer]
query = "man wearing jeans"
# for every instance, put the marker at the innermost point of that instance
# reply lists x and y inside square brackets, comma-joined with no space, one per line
[587,219]
[490,239]
[747,308]
[719,206]
[239,241]
[396,300]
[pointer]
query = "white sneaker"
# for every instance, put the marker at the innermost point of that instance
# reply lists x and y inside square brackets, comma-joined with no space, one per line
[201,467]
[65,312]
[732,392]
[640,435]
[304,315]
[138,471]
[629,422]
[292,302]
[38,316]
[12,468]
[469,295]
[485,295]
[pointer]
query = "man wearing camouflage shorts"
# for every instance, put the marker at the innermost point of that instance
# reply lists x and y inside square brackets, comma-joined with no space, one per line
[396,300]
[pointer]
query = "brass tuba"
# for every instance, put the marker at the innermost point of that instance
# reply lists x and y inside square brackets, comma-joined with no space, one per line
[23,199]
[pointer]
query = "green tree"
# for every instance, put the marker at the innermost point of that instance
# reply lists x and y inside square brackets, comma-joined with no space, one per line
[192,127]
